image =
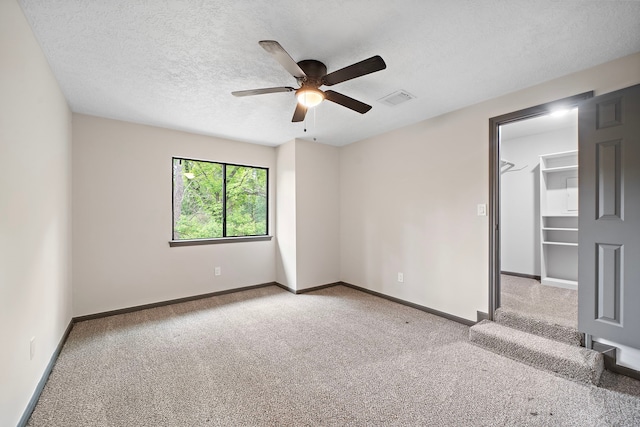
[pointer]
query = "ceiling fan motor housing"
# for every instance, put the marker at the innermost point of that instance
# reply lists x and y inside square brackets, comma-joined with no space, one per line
[315,71]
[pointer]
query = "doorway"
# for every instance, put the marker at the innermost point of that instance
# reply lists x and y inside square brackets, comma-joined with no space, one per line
[539,217]
[504,230]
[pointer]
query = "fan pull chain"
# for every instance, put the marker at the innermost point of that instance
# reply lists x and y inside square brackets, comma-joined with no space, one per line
[314,120]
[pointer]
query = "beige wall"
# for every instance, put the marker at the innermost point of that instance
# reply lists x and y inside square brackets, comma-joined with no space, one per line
[308,214]
[286,261]
[122,218]
[408,197]
[35,213]
[318,214]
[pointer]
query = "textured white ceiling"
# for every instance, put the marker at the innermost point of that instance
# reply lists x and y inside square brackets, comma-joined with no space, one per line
[174,63]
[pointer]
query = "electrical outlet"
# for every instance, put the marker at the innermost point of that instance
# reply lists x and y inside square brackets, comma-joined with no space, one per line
[217,271]
[32,348]
[401,277]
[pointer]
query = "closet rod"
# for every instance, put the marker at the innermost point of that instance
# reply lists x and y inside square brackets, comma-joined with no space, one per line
[509,166]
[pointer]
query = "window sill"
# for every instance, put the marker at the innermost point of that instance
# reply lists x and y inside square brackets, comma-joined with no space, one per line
[196,242]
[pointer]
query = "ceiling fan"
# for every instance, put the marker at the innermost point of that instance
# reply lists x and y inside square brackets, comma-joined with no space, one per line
[310,75]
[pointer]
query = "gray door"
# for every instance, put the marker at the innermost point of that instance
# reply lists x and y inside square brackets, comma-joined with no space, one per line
[609,223]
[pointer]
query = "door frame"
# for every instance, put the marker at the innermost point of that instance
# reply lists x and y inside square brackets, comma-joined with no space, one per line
[494,182]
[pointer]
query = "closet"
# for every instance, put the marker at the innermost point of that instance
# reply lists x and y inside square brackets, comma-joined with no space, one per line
[559,219]
[539,199]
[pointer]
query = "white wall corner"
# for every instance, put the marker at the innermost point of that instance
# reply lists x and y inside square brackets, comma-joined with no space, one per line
[317,214]
[286,237]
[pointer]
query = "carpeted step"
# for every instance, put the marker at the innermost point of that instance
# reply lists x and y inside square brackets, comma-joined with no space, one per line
[552,328]
[572,362]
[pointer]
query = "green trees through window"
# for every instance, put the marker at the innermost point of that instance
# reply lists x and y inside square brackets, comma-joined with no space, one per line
[214,200]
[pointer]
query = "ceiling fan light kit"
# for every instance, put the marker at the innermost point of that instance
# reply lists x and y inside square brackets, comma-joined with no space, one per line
[309,97]
[310,75]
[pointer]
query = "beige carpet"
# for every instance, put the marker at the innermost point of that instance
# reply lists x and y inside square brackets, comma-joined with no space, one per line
[531,297]
[335,357]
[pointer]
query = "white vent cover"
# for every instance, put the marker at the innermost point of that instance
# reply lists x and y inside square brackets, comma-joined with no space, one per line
[396,98]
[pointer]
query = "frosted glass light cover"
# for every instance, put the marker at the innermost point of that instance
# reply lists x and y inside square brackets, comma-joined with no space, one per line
[309,97]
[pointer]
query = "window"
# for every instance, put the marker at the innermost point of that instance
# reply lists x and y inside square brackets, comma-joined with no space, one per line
[217,200]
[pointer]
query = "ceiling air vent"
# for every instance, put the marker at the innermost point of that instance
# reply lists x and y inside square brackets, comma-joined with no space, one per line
[396,98]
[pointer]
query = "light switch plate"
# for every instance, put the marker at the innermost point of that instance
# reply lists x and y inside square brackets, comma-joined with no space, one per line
[482,209]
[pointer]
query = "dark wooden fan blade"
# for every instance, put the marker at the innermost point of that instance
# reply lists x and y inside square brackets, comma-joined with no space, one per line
[299,114]
[262,91]
[281,55]
[345,101]
[362,68]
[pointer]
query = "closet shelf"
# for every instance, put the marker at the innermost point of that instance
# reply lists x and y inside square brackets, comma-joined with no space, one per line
[559,219]
[560,243]
[561,169]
